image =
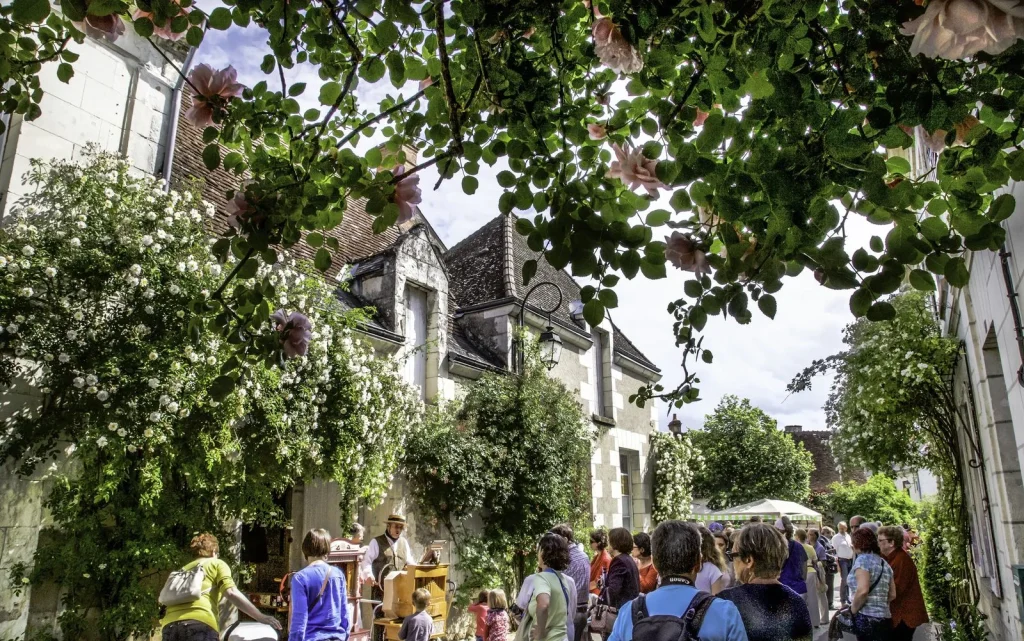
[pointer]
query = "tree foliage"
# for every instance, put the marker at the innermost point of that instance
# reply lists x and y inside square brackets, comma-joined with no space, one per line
[758,117]
[746,458]
[515,452]
[876,500]
[98,270]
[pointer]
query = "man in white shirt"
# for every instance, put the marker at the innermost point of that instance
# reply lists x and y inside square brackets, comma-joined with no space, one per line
[844,551]
[388,549]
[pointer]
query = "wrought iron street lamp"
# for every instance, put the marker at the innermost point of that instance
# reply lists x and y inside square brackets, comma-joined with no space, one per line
[549,342]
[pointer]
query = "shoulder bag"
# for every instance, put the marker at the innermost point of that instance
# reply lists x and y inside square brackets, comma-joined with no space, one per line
[183,586]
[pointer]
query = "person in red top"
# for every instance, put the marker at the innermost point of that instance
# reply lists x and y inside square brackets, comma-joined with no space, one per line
[908,609]
[642,554]
[599,564]
[479,611]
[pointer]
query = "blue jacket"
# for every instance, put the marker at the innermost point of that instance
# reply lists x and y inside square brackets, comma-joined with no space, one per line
[318,619]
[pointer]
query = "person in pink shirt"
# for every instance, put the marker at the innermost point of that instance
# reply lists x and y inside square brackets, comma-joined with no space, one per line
[479,611]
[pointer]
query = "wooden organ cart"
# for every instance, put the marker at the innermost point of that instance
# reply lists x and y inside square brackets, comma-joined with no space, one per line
[399,586]
[346,557]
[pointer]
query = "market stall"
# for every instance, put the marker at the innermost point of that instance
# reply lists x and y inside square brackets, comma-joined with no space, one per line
[768,509]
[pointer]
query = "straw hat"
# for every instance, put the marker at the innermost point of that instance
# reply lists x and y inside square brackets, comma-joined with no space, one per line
[396,518]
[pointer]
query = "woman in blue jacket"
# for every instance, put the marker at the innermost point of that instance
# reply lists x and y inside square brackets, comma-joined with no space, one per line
[319,603]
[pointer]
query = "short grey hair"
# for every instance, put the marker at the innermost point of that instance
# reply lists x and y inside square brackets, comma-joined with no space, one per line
[675,548]
[356,530]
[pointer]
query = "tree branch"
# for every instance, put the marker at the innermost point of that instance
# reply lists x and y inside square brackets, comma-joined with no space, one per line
[423,165]
[694,80]
[382,115]
[446,74]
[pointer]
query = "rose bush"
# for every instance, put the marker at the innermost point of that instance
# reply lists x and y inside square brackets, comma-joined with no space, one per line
[675,460]
[103,284]
[778,118]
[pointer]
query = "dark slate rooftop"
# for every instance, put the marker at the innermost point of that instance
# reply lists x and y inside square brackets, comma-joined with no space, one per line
[488,265]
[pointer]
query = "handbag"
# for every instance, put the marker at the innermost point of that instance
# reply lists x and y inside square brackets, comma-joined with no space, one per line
[602,618]
[183,586]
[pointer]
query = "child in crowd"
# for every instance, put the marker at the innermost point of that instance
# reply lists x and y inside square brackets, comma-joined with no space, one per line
[479,612]
[497,617]
[419,626]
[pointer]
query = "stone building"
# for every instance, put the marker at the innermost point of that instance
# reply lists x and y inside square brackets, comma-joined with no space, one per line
[448,312]
[989,383]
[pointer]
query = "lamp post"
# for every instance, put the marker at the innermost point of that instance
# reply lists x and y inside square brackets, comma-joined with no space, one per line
[549,342]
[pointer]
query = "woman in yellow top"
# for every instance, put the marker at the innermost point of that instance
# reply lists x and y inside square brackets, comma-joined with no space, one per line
[197,621]
[812,574]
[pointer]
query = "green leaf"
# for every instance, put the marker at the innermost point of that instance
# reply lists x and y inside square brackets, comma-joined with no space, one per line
[221,387]
[470,185]
[922,280]
[758,86]
[898,165]
[329,93]
[876,244]
[373,70]
[194,36]
[144,27]
[1002,208]
[593,312]
[27,11]
[680,200]
[387,34]
[315,239]
[65,72]
[506,178]
[211,156]
[933,228]
[658,217]
[630,263]
[881,311]
[698,318]
[693,288]
[956,272]
[220,19]
[322,261]
[529,271]
[653,270]
[296,89]
[767,305]
[248,268]
[74,10]
[860,302]
[608,298]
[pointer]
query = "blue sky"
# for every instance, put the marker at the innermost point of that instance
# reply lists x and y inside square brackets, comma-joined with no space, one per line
[754,361]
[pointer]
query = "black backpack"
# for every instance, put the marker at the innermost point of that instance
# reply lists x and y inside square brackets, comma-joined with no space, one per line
[666,627]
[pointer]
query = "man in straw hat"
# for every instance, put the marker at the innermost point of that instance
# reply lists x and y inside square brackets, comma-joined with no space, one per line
[388,549]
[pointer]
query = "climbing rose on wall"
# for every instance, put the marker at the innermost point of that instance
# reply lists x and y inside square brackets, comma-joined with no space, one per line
[613,49]
[957,29]
[214,89]
[597,132]
[295,330]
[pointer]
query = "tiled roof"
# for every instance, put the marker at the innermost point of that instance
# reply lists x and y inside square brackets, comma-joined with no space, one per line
[488,266]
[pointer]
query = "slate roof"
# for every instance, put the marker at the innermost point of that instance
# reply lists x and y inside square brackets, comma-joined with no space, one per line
[488,265]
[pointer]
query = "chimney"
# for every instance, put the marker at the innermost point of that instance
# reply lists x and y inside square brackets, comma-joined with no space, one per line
[675,425]
[794,429]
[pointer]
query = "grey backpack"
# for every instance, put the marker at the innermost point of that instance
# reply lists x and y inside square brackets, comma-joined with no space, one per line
[183,586]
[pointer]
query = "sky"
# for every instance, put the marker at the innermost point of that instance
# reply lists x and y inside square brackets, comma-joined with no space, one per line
[754,361]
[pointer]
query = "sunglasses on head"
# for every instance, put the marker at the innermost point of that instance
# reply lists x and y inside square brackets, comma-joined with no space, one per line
[730,555]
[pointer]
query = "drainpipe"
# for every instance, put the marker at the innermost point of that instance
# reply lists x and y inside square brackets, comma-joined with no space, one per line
[172,135]
[1011,293]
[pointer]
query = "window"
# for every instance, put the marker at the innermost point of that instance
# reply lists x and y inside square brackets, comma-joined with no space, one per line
[416,339]
[627,496]
[600,406]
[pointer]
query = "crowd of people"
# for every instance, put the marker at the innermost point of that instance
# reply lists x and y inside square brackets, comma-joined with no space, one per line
[718,583]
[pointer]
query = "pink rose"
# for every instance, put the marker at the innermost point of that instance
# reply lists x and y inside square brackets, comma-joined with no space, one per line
[164,30]
[214,89]
[603,99]
[597,132]
[426,82]
[407,194]
[529,32]
[700,118]
[958,29]
[295,330]
[613,49]
[108,27]
[635,170]
[683,251]
[237,209]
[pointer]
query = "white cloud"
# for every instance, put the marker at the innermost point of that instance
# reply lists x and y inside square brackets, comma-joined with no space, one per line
[754,361]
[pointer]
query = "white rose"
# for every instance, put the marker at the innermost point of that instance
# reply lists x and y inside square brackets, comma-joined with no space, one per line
[147,240]
[74,242]
[79,382]
[132,448]
[63,358]
[28,250]
[26,292]
[154,416]
[91,379]
[103,395]
[122,432]
[112,427]
[172,407]
[153,356]
[101,441]
[50,272]
[72,334]
[154,383]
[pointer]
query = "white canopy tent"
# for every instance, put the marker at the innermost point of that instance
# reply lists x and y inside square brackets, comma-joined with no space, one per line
[768,509]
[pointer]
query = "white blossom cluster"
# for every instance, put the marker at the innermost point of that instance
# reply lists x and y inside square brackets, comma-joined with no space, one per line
[675,460]
[105,271]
